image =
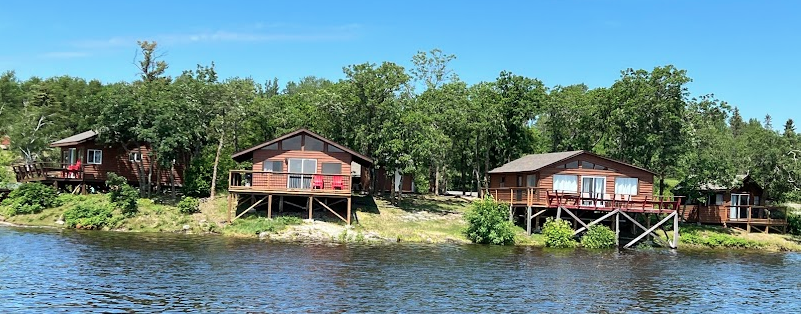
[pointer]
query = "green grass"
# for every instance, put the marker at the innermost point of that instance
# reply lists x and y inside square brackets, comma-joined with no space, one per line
[253,226]
[726,238]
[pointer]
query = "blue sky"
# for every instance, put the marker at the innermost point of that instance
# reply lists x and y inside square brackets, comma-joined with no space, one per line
[745,52]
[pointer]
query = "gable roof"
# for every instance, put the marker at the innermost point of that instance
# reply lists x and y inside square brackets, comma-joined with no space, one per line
[248,153]
[75,139]
[536,162]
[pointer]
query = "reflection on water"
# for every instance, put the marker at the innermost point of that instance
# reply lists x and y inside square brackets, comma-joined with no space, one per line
[45,270]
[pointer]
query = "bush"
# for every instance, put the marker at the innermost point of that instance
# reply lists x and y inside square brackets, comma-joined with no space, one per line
[31,198]
[598,237]
[189,205]
[794,223]
[90,216]
[122,195]
[558,233]
[487,223]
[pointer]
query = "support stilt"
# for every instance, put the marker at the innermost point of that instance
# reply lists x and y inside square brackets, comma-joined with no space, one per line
[675,231]
[310,208]
[596,221]
[528,220]
[559,213]
[252,206]
[281,204]
[650,230]
[617,228]
[349,210]
[270,206]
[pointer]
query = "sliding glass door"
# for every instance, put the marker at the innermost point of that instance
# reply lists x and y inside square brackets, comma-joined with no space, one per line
[739,206]
[300,173]
[593,187]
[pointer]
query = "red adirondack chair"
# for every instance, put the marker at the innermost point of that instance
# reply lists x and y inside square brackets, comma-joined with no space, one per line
[336,183]
[317,182]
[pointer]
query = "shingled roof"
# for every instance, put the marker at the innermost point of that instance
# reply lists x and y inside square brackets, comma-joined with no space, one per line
[248,153]
[75,139]
[536,162]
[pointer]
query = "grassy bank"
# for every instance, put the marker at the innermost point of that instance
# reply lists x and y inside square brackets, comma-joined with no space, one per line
[694,236]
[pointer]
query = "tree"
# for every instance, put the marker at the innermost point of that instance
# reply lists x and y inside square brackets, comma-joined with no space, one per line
[789,129]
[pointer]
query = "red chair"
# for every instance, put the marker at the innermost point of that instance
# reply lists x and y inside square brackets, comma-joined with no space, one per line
[336,183]
[78,169]
[317,182]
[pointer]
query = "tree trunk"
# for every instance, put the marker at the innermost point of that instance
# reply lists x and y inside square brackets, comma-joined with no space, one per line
[216,163]
[661,185]
[172,180]
[436,180]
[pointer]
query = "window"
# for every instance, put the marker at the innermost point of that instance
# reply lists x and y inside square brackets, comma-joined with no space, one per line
[333,149]
[589,165]
[531,180]
[94,156]
[332,168]
[292,143]
[313,144]
[719,199]
[756,200]
[135,157]
[520,181]
[503,181]
[565,183]
[272,166]
[273,146]
[570,165]
[626,186]
[302,171]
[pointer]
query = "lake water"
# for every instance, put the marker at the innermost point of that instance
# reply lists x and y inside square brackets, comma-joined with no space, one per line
[45,270]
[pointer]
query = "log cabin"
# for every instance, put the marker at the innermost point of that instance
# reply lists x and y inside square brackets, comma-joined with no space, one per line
[598,189]
[301,169]
[739,204]
[85,162]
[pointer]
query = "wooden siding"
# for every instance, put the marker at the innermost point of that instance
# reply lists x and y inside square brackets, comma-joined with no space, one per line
[718,214]
[382,183]
[262,155]
[545,175]
[115,159]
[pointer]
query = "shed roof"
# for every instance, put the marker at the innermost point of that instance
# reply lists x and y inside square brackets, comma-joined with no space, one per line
[536,162]
[248,153]
[75,139]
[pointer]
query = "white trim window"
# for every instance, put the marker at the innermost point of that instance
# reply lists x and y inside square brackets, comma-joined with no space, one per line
[135,157]
[565,183]
[94,156]
[626,186]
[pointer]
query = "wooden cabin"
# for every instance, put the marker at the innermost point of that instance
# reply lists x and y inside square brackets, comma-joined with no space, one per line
[301,169]
[584,187]
[739,205]
[83,161]
[402,182]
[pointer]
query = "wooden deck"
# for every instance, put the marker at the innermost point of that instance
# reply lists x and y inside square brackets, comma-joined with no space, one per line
[749,216]
[43,171]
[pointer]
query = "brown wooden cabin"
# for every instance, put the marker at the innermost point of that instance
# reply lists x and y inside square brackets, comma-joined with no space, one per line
[301,169]
[585,187]
[85,161]
[741,205]
[403,182]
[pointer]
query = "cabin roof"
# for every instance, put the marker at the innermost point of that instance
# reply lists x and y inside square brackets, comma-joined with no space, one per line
[248,153]
[536,162]
[75,139]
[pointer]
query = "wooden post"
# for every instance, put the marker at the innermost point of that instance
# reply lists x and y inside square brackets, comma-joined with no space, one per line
[559,213]
[511,212]
[349,210]
[617,229]
[281,204]
[310,208]
[230,200]
[270,206]
[675,230]
[83,188]
[528,220]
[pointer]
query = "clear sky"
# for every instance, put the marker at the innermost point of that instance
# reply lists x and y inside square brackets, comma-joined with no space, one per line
[745,52]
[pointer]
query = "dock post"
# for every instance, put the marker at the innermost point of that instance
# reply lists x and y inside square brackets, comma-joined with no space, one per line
[349,210]
[310,207]
[617,229]
[270,206]
[675,230]
[528,220]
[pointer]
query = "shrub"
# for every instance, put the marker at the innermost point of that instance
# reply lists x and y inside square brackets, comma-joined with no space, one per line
[598,237]
[794,223]
[90,216]
[487,223]
[31,198]
[122,195]
[558,233]
[189,205]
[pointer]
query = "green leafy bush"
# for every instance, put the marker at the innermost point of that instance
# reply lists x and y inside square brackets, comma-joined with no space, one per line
[598,237]
[794,223]
[714,239]
[255,225]
[122,195]
[558,233]
[197,178]
[487,223]
[31,198]
[189,205]
[90,216]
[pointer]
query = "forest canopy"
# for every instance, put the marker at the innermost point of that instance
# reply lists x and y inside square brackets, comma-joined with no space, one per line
[422,121]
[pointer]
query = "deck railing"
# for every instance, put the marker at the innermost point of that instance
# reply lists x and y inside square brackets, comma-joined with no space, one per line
[47,170]
[590,201]
[528,196]
[769,215]
[250,180]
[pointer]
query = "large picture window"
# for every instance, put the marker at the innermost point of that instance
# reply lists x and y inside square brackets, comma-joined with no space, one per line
[94,156]
[301,172]
[292,143]
[313,144]
[565,183]
[626,186]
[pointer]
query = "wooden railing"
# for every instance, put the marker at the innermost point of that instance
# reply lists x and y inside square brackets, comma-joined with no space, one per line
[647,203]
[768,215]
[528,196]
[46,170]
[249,180]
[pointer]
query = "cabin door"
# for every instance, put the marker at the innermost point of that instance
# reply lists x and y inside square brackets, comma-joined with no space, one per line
[301,172]
[593,187]
[69,156]
[739,206]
